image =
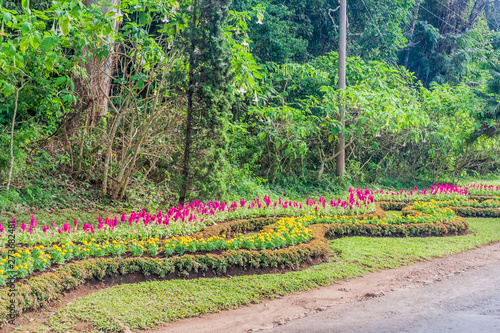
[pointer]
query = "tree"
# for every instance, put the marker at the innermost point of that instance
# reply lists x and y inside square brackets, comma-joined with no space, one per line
[208,96]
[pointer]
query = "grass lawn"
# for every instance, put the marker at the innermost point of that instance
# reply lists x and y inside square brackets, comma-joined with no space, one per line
[149,304]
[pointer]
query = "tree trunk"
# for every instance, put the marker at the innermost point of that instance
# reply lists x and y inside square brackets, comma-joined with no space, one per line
[109,154]
[93,91]
[340,165]
[189,120]
[100,72]
[479,6]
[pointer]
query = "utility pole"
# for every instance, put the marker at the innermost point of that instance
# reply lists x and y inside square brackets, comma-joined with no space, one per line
[342,85]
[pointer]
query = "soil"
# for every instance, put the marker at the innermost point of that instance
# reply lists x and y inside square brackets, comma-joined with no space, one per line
[467,302]
[345,296]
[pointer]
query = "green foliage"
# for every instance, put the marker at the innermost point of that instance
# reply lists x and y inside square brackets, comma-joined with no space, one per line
[209,98]
[258,79]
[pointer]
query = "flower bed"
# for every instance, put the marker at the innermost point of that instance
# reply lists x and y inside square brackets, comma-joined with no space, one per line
[435,192]
[483,190]
[283,243]
[181,220]
[27,261]
[438,192]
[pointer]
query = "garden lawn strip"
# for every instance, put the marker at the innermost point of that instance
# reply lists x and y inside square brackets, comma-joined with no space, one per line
[138,306]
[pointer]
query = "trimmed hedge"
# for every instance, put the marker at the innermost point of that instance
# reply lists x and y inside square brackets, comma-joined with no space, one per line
[477,212]
[457,227]
[464,211]
[393,205]
[236,226]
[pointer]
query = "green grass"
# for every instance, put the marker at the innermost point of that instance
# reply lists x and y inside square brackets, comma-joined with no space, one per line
[149,304]
[392,213]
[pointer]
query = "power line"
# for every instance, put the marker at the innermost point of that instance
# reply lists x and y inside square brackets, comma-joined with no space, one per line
[383,40]
[375,23]
[421,6]
[379,32]
[454,12]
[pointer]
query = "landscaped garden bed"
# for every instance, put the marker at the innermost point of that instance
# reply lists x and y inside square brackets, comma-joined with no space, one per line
[296,239]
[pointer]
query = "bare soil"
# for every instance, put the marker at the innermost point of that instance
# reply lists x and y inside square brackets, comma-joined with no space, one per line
[274,313]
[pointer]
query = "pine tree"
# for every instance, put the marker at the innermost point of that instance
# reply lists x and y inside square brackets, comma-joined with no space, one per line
[209,98]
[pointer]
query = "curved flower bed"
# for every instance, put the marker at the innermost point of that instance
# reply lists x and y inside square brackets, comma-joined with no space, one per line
[282,243]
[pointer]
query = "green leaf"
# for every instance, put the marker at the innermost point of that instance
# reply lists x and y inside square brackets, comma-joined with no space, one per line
[330,138]
[262,135]
[65,27]
[48,43]
[41,15]
[8,89]
[60,80]
[25,4]
[7,17]
[26,27]
[25,43]
[35,41]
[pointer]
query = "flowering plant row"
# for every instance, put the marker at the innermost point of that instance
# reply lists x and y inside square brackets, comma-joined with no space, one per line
[26,261]
[182,220]
[426,212]
[491,203]
[437,192]
[483,189]
[34,293]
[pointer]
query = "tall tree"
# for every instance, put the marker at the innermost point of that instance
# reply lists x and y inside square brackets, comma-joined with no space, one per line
[94,88]
[208,95]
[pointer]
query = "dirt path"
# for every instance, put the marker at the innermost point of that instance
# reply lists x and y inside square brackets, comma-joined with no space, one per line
[468,302]
[373,288]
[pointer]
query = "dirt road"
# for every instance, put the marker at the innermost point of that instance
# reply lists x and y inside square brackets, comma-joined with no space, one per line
[460,290]
[469,302]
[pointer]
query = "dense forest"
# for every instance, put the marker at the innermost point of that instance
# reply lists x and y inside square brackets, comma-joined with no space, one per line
[156,101]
